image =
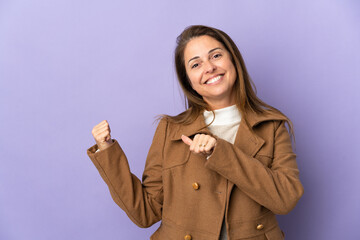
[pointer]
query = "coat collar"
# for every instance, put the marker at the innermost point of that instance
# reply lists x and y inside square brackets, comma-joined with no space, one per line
[249,142]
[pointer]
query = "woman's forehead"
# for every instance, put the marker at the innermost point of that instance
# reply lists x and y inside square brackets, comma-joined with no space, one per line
[200,46]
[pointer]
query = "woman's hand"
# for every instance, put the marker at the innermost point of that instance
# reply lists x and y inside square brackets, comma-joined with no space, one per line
[202,143]
[101,134]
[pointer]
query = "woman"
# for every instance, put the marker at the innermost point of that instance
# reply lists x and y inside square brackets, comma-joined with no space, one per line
[206,175]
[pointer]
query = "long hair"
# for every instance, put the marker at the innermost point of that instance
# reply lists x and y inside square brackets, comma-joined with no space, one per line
[245,96]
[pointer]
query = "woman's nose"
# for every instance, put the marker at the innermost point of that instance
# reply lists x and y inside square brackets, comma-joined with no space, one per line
[209,67]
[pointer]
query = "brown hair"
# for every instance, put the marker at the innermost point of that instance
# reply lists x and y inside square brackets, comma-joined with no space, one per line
[245,95]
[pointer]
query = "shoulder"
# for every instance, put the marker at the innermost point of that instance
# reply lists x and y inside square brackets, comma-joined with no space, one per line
[166,126]
[268,117]
[270,124]
[176,129]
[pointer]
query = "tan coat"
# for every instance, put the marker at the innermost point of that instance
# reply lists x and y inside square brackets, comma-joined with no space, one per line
[248,182]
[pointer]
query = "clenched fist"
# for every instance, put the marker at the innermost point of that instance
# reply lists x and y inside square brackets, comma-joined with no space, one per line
[101,134]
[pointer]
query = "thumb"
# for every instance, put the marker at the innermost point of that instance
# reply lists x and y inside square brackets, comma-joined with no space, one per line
[108,139]
[186,140]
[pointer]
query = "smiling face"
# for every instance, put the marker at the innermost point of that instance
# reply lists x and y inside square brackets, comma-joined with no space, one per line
[210,71]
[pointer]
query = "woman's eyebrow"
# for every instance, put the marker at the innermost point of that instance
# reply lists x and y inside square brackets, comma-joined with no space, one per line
[208,53]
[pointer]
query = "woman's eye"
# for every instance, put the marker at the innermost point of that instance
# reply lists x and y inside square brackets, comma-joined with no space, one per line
[217,55]
[195,65]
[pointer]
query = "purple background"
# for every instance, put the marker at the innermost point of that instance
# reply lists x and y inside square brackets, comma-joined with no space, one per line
[67,65]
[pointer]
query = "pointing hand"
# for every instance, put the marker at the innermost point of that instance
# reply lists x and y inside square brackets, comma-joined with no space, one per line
[202,143]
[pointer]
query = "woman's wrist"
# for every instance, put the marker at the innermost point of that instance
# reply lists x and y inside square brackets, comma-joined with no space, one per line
[104,145]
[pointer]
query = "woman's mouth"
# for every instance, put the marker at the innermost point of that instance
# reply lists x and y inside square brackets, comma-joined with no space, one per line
[214,80]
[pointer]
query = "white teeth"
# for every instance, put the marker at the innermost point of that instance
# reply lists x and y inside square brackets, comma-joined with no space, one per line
[213,79]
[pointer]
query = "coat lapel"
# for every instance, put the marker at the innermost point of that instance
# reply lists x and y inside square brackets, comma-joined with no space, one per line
[248,142]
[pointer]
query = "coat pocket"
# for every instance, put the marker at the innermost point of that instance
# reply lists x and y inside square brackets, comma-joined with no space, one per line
[264,227]
[275,234]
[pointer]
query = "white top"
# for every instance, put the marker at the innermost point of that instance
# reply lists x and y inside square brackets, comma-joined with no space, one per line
[225,126]
[223,116]
[226,123]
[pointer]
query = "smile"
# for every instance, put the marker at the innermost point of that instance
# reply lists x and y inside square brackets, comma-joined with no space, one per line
[214,80]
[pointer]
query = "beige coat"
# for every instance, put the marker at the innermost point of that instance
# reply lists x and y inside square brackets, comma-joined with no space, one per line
[248,182]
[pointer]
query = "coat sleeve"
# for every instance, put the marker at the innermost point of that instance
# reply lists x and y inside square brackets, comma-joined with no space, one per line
[277,187]
[142,201]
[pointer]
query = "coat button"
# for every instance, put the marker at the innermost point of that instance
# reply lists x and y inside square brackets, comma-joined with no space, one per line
[188,237]
[195,185]
[259,226]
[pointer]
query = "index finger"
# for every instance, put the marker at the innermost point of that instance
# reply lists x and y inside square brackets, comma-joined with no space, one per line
[186,140]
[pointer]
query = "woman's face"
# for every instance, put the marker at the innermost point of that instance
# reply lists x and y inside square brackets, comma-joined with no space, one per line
[210,70]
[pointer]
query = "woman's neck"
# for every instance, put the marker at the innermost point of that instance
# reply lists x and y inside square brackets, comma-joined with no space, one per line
[215,105]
